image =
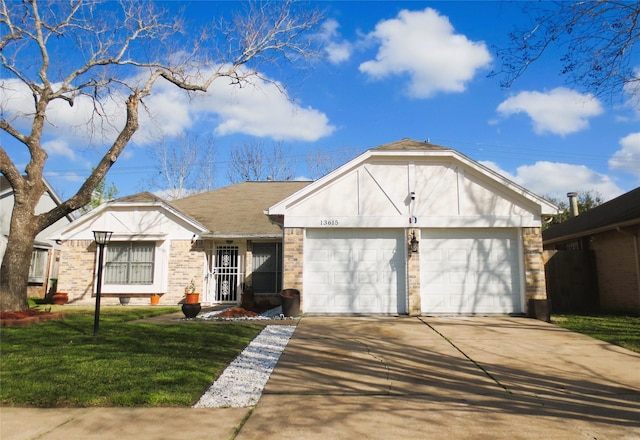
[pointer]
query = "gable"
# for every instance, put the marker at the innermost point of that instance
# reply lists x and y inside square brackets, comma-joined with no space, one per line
[434,188]
[133,222]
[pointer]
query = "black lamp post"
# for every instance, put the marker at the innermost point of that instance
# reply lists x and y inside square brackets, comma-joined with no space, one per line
[102,238]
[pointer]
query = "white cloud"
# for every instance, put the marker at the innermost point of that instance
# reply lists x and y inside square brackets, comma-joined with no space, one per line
[262,109]
[557,179]
[58,147]
[628,157]
[424,45]
[560,111]
[337,50]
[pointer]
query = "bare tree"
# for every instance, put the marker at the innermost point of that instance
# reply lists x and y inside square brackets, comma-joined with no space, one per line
[110,53]
[184,166]
[598,40]
[253,161]
[322,163]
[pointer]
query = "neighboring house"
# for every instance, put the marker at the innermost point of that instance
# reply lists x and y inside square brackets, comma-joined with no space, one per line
[594,258]
[46,252]
[405,228]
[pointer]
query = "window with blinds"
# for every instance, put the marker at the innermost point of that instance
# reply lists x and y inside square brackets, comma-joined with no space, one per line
[38,266]
[129,263]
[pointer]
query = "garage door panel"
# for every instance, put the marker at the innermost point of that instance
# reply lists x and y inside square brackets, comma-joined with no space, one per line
[467,271]
[365,271]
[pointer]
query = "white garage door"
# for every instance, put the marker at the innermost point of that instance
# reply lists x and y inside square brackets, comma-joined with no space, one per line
[466,271]
[354,271]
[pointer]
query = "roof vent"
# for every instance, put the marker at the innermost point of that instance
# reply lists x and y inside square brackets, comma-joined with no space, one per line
[573,204]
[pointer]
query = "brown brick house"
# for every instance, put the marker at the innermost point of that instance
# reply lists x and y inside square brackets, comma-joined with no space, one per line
[594,261]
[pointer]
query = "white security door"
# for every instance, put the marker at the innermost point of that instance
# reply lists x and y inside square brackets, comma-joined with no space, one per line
[354,271]
[467,271]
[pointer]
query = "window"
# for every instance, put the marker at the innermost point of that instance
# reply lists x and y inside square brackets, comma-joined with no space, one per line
[267,267]
[38,265]
[129,263]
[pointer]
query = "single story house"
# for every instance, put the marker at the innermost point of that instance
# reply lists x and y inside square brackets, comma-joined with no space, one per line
[405,228]
[594,258]
[46,252]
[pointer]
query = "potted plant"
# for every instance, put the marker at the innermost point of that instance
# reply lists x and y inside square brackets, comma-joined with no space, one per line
[60,298]
[191,297]
[191,306]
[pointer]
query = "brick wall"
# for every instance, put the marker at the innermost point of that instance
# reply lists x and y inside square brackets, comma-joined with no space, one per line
[413,271]
[75,273]
[617,273]
[533,264]
[293,256]
[185,264]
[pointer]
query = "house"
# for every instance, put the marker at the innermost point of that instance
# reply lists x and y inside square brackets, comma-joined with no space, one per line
[405,228]
[46,252]
[594,258]
[219,239]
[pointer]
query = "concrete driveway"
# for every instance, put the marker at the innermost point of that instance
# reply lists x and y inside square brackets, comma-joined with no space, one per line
[447,378]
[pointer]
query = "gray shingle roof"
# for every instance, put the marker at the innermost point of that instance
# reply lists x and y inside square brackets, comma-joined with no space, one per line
[238,210]
[621,210]
[409,145]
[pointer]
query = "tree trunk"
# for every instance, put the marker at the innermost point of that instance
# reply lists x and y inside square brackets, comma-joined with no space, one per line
[14,273]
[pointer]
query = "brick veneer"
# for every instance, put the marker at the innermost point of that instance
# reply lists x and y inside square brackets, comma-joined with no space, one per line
[413,273]
[533,264]
[75,274]
[293,253]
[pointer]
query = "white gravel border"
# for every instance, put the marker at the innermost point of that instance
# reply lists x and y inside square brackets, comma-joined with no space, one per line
[241,383]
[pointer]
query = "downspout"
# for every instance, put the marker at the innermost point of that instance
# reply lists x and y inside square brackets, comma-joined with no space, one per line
[637,256]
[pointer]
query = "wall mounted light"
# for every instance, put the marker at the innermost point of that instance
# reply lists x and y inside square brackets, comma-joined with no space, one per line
[414,242]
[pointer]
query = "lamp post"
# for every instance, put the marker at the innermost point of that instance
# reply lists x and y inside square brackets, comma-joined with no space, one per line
[101,238]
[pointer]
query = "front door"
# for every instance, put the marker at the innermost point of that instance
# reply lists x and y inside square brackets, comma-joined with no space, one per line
[227,274]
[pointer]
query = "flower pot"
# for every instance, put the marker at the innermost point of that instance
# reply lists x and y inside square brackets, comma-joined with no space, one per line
[192,298]
[124,300]
[155,299]
[191,310]
[60,298]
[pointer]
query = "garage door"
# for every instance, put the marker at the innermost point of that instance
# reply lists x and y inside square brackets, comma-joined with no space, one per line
[354,271]
[466,271]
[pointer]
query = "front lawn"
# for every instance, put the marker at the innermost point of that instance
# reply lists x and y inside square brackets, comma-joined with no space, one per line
[60,363]
[620,330]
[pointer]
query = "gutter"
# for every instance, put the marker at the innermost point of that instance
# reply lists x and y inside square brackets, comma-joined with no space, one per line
[613,227]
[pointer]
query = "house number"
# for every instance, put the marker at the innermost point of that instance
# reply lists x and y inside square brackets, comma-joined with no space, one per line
[326,222]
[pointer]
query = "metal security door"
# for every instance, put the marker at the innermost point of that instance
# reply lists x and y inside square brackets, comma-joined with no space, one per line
[227,272]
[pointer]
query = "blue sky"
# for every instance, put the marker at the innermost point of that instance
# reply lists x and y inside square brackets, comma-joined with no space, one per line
[390,70]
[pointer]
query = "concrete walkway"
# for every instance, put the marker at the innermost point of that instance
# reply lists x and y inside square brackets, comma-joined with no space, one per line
[388,378]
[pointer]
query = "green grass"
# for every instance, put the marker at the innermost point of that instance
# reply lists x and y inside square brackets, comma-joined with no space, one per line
[620,330]
[60,363]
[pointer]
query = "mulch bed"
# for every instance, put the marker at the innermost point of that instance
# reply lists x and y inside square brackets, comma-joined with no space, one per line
[237,312]
[27,317]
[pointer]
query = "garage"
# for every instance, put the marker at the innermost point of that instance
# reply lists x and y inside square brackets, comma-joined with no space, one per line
[470,271]
[354,271]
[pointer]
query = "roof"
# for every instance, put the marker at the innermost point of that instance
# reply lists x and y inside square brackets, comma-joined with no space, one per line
[143,197]
[238,210]
[621,211]
[410,145]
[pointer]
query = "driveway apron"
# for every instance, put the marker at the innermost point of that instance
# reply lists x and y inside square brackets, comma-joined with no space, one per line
[441,378]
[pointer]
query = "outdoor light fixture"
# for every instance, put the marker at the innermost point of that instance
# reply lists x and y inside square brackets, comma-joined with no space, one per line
[414,242]
[101,238]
